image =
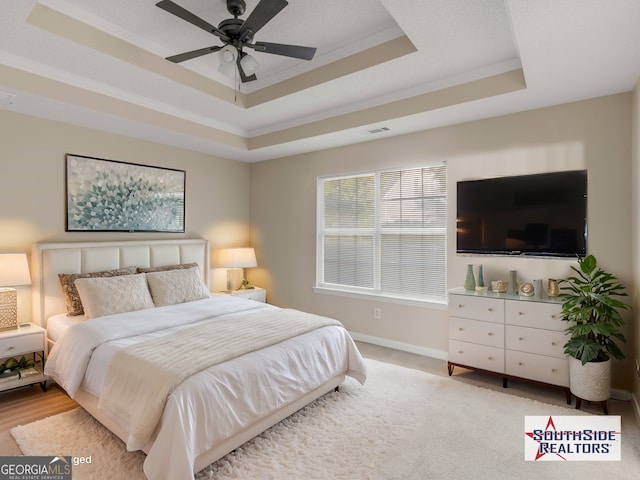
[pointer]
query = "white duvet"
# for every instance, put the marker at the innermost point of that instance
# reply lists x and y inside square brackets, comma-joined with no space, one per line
[217,402]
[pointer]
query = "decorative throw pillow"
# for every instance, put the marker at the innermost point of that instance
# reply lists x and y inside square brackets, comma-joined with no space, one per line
[164,268]
[176,286]
[110,295]
[70,293]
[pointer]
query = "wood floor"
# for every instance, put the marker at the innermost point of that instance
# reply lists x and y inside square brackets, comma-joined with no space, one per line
[28,404]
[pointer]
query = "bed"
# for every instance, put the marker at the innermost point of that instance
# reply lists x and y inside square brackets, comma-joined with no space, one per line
[230,367]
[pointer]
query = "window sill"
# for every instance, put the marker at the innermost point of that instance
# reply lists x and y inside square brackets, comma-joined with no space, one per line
[416,302]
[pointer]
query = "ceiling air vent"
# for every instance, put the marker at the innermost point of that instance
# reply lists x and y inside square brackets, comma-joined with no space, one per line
[379,130]
[6,98]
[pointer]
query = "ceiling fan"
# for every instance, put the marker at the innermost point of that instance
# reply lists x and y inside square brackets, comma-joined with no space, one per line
[236,35]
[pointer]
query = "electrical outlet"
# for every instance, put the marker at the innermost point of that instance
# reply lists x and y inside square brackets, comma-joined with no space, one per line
[377,313]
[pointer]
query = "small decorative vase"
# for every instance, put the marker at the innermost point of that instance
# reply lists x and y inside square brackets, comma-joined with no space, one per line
[480,281]
[513,284]
[470,281]
[552,288]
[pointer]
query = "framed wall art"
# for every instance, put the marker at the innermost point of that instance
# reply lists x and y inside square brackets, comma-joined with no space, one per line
[106,195]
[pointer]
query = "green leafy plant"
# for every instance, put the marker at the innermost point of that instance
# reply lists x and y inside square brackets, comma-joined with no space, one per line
[591,305]
[11,365]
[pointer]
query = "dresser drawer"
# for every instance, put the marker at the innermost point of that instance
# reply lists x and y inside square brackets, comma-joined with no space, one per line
[476,331]
[21,344]
[538,367]
[477,308]
[478,356]
[534,340]
[534,314]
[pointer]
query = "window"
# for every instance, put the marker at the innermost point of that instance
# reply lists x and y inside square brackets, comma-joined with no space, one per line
[384,233]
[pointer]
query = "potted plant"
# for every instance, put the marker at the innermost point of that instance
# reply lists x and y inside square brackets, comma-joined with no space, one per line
[12,367]
[591,305]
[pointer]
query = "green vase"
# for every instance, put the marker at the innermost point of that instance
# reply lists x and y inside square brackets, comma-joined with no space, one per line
[480,280]
[470,281]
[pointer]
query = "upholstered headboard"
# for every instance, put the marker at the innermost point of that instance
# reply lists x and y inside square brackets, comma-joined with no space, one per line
[50,259]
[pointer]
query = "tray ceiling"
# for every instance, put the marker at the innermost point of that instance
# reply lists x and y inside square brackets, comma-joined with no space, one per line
[405,65]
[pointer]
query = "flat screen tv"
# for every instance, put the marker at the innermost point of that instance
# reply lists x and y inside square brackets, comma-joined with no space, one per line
[536,215]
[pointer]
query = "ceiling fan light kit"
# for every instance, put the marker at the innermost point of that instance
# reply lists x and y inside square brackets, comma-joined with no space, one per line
[237,34]
[249,64]
[228,54]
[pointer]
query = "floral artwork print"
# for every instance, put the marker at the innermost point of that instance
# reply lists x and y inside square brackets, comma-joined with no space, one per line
[104,195]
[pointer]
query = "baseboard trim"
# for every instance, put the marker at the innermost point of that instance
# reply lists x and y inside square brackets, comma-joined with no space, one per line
[636,407]
[405,347]
[618,394]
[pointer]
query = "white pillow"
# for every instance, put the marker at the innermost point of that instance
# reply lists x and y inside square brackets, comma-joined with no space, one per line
[176,286]
[109,295]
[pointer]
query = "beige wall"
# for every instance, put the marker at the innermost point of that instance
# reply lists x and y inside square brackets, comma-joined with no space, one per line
[278,197]
[32,188]
[593,135]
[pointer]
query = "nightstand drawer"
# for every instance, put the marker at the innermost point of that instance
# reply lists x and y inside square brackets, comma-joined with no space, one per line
[476,331]
[256,294]
[478,356]
[21,344]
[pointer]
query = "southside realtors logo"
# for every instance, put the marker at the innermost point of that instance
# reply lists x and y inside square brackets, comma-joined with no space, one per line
[574,438]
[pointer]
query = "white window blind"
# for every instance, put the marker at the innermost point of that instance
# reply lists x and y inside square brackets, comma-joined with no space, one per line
[384,233]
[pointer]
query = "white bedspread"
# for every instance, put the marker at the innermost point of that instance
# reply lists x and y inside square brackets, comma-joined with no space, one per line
[245,389]
[68,360]
[141,377]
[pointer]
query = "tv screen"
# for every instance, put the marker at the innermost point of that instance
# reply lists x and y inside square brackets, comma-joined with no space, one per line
[539,215]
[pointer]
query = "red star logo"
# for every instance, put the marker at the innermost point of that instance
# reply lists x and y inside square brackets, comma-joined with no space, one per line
[540,453]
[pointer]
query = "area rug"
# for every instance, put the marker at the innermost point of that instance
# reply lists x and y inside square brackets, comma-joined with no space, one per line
[403,424]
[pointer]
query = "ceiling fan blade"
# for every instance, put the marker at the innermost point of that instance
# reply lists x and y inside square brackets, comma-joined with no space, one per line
[295,51]
[181,57]
[243,76]
[260,16]
[178,11]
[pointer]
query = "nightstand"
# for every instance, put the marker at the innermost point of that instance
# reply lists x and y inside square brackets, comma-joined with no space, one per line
[256,293]
[27,340]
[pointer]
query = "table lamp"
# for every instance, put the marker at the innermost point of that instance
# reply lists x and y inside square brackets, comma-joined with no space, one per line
[14,271]
[235,260]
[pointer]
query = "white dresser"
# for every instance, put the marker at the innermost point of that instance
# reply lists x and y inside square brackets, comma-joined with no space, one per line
[508,335]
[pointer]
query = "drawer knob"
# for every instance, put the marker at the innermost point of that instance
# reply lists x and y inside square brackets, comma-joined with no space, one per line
[554,370]
[520,363]
[460,329]
[553,344]
[11,348]
[460,305]
[460,351]
[490,309]
[489,358]
[520,338]
[520,313]
[490,334]
[553,316]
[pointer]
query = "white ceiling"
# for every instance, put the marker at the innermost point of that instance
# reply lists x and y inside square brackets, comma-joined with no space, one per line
[100,64]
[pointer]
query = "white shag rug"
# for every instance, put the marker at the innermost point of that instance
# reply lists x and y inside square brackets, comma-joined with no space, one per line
[402,424]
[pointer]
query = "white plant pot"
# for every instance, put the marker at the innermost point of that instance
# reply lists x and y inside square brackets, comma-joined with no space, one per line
[591,381]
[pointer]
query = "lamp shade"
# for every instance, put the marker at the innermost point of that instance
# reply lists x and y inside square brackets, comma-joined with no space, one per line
[14,270]
[240,258]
